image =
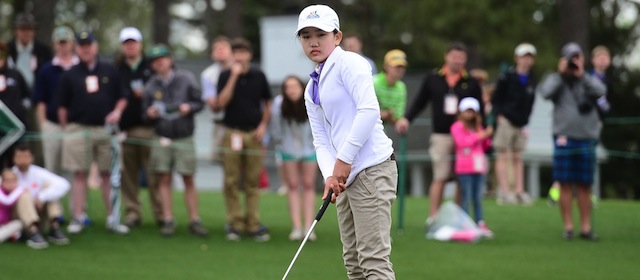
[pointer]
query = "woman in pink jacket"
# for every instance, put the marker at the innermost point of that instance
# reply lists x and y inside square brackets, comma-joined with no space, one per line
[470,141]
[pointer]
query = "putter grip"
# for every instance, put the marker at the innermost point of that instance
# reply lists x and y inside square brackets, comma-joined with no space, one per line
[323,208]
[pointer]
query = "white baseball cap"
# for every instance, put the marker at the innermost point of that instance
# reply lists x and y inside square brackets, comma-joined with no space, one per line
[525,49]
[130,33]
[319,16]
[469,103]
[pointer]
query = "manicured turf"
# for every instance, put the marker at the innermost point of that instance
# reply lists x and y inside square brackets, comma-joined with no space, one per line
[528,245]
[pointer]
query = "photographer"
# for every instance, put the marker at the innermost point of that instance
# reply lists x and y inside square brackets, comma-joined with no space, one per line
[576,129]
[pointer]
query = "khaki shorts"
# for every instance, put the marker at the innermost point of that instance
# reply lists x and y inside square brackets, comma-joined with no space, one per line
[441,151]
[84,144]
[179,154]
[509,137]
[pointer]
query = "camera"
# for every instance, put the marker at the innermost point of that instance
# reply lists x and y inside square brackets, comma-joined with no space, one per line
[572,65]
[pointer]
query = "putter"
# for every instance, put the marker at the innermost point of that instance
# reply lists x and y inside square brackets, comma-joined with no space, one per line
[313,225]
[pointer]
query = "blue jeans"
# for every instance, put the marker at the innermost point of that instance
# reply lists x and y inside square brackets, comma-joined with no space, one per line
[471,188]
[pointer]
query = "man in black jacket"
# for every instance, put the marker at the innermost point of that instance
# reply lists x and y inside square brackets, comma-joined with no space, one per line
[443,88]
[13,92]
[512,104]
[27,56]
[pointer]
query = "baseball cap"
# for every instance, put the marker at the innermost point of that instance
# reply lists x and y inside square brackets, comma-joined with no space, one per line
[85,37]
[130,33]
[319,16]
[570,50]
[62,33]
[158,51]
[25,20]
[525,49]
[395,58]
[469,103]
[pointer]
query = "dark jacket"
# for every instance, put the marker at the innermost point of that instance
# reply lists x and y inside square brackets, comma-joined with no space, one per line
[133,114]
[41,51]
[512,99]
[182,88]
[434,89]
[15,92]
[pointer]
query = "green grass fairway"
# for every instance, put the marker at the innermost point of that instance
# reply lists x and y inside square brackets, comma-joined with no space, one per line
[527,245]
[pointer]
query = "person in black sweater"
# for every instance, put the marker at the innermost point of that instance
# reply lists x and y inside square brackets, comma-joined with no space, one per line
[512,104]
[13,92]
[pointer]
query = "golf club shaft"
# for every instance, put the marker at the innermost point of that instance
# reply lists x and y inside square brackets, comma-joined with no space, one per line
[323,208]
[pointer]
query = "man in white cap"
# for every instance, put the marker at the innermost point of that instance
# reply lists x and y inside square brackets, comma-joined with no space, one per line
[134,72]
[512,104]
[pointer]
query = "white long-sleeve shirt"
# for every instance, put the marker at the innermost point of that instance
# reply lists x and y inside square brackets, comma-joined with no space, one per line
[346,125]
[43,184]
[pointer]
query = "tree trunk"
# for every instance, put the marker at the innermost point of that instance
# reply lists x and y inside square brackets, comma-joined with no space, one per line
[161,20]
[45,15]
[233,26]
[574,22]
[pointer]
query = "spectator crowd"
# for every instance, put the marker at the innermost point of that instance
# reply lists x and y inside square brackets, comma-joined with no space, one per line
[78,103]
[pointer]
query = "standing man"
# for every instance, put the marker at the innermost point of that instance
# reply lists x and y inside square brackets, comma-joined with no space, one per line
[13,92]
[222,60]
[576,129]
[353,43]
[90,96]
[390,89]
[134,72]
[245,96]
[512,103]
[171,99]
[443,88]
[45,96]
[28,55]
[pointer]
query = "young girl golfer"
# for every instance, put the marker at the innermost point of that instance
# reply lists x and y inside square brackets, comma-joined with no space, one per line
[354,154]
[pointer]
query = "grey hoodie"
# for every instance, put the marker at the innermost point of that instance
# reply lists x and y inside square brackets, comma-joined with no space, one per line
[566,94]
[181,88]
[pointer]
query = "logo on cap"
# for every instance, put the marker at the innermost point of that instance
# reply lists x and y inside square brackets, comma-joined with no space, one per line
[84,35]
[313,15]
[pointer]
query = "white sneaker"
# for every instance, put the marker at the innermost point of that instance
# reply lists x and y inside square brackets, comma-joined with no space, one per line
[75,226]
[507,199]
[118,229]
[296,235]
[525,199]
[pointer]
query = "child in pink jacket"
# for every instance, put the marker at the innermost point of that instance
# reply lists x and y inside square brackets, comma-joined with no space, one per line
[470,141]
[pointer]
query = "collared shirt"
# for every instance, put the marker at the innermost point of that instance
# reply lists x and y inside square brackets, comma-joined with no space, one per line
[346,124]
[85,106]
[26,63]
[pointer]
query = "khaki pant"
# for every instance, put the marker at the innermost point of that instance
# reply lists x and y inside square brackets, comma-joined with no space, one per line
[364,218]
[441,150]
[242,166]
[509,136]
[52,144]
[27,213]
[136,157]
[86,144]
